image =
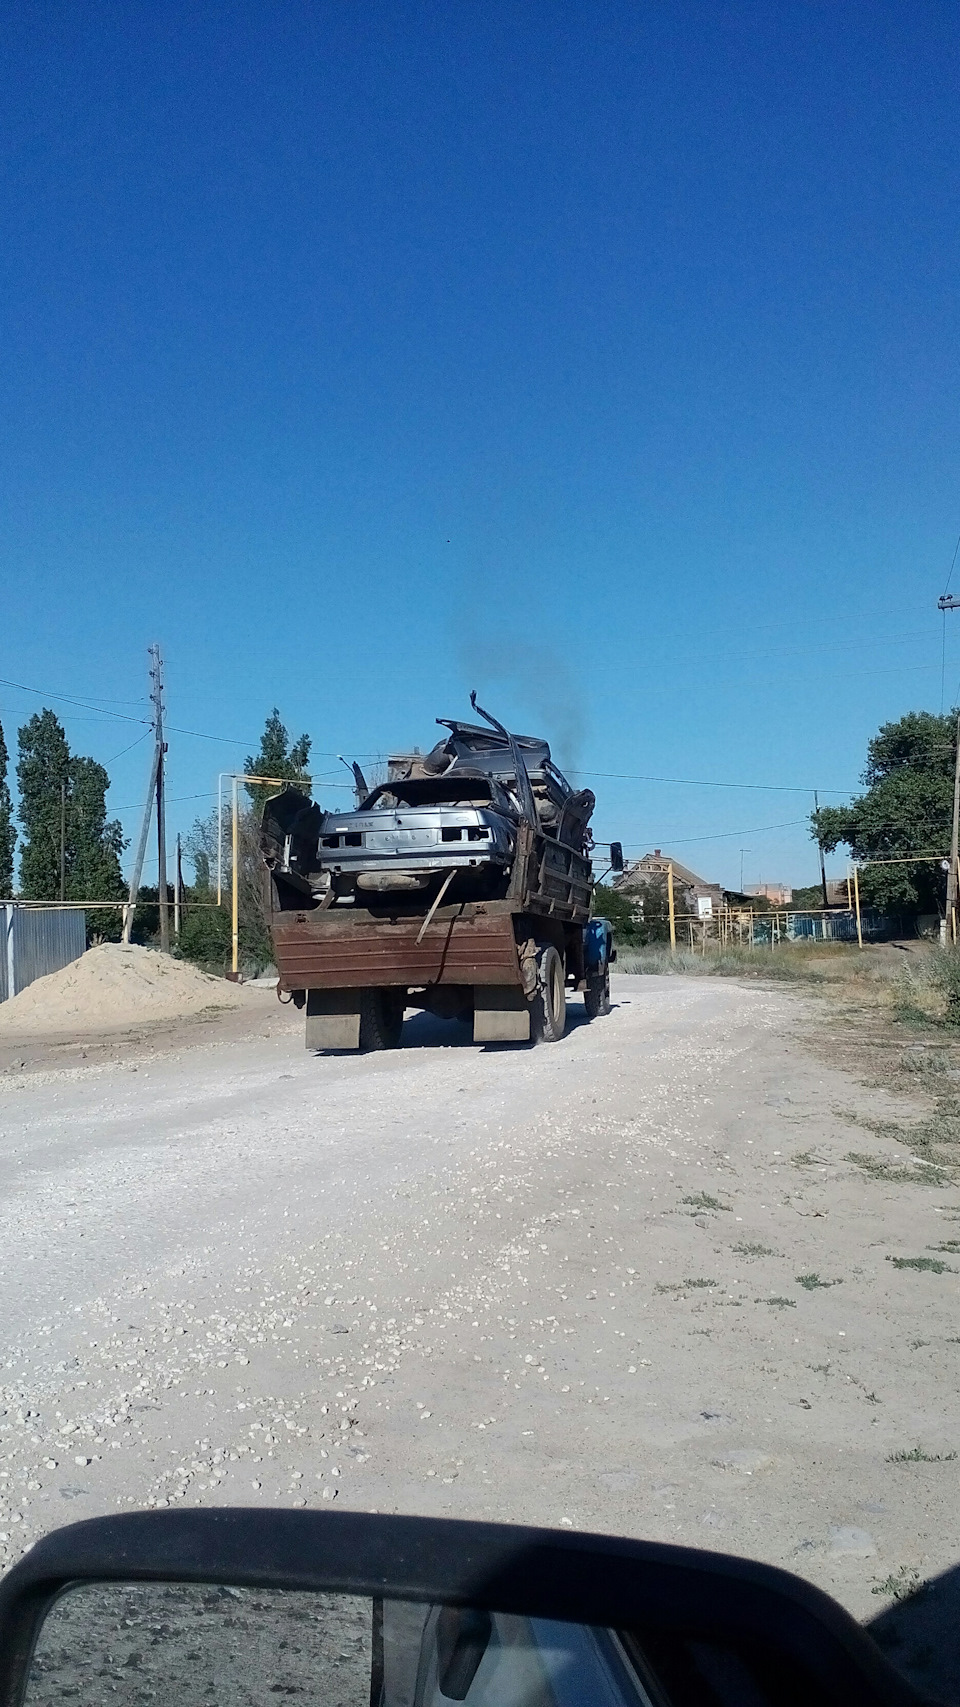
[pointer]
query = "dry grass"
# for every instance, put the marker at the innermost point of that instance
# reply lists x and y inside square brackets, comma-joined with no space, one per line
[890,1014]
[914,983]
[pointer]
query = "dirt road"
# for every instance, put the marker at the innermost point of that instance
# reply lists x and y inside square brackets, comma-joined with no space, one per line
[627,1282]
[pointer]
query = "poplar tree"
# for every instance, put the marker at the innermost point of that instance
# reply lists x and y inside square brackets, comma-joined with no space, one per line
[42,771]
[8,833]
[53,782]
[277,758]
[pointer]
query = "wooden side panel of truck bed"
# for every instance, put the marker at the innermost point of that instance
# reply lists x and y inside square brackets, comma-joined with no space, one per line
[467,944]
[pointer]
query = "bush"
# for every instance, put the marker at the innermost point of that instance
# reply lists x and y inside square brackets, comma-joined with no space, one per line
[621,909]
[205,938]
[945,977]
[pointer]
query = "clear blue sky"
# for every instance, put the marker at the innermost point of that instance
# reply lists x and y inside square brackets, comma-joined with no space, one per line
[602,357]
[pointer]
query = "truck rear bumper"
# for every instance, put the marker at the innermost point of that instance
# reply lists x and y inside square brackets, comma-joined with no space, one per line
[326,951]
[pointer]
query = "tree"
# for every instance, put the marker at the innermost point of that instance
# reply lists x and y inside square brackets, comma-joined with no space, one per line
[94,848]
[808,898]
[65,793]
[906,809]
[622,909]
[277,758]
[206,933]
[43,769]
[8,834]
[654,908]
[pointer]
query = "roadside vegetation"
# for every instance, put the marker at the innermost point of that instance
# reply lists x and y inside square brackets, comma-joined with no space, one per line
[915,984]
[68,845]
[904,810]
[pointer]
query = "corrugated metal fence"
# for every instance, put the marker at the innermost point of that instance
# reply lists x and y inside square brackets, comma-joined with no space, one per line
[37,940]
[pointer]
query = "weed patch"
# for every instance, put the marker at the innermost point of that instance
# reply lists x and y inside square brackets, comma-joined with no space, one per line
[945,976]
[934,1142]
[920,1060]
[745,1249]
[778,1303]
[894,1173]
[900,1585]
[926,1265]
[916,1455]
[813,1283]
[906,1012]
[703,1200]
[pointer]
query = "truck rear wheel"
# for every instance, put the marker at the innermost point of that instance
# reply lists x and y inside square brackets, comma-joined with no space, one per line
[596,996]
[381,1018]
[548,1016]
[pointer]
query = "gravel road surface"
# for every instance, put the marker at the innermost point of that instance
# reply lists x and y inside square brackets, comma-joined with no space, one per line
[624,1282]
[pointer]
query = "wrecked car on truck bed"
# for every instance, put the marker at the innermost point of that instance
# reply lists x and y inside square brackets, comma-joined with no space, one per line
[462,885]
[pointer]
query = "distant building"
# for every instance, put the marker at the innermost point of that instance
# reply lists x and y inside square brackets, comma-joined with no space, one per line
[778,894]
[688,889]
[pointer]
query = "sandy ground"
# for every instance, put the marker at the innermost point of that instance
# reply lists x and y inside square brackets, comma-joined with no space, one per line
[110,986]
[558,1285]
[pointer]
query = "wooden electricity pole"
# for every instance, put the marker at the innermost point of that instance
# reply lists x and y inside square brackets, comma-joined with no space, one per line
[950,602]
[155,791]
[157,674]
[823,873]
[951,918]
[177,892]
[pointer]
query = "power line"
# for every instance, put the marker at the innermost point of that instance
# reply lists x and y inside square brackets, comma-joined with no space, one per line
[700,782]
[233,741]
[122,717]
[129,749]
[723,835]
[70,699]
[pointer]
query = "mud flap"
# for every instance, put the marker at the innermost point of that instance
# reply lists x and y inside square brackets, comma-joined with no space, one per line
[500,1014]
[333,1019]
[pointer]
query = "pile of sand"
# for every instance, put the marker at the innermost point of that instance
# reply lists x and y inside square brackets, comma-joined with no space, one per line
[114,986]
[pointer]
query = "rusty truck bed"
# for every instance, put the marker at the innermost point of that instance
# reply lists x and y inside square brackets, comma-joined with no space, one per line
[472,943]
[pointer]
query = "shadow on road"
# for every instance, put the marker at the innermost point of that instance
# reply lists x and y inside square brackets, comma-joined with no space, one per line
[920,1635]
[425,1031]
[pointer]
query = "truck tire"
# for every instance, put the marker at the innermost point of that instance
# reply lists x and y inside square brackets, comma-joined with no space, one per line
[596,996]
[381,1018]
[548,1014]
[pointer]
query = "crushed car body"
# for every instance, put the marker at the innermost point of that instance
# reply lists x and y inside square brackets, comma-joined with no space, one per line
[455,810]
[461,884]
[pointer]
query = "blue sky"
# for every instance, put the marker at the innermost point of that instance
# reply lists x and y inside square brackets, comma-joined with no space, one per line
[602,358]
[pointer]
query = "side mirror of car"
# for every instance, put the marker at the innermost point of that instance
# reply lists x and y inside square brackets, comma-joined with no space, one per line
[359,1610]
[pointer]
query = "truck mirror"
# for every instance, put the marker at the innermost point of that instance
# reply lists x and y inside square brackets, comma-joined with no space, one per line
[616,856]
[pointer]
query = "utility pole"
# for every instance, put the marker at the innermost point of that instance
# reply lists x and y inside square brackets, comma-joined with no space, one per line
[177,888]
[154,792]
[742,852]
[63,840]
[823,872]
[157,675]
[950,922]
